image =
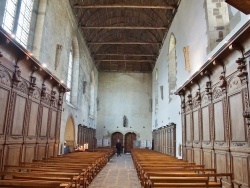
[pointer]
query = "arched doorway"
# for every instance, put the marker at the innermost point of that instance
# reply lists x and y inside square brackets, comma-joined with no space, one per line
[129,138]
[69,135]
[114,137]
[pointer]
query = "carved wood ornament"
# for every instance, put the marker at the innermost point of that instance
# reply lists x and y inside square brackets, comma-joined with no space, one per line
[224,100]
[26,100]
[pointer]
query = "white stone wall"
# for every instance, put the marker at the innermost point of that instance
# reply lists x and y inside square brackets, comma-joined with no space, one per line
[61,28]
[126,94]
[190,29]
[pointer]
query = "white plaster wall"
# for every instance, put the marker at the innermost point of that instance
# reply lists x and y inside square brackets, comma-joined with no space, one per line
[189,28]
[60,27]
[124,94]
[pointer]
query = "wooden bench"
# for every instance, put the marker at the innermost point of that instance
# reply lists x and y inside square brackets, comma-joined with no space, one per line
[71,170]
[158,170]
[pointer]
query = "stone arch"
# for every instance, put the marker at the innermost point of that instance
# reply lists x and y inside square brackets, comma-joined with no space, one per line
[172,67]
[129,138]
[115,136]
[69,134]
[75,76]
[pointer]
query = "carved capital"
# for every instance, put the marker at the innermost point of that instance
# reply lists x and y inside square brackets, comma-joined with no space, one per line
[246,115]
[17,76]
[223,82]
[183,104]
[208,89]
[60,101]
[242,69]
[189,99]
[32,85]
[43,92]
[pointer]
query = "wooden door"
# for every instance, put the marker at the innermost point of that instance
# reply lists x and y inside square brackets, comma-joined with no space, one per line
[129,137]
[115,136]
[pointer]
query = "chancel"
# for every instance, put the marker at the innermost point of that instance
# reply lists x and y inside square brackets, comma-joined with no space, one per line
[167,78]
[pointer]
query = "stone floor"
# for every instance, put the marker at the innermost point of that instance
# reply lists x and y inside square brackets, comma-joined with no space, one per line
[118,173]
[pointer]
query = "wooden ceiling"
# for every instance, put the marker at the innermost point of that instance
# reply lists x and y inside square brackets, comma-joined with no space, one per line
[124,35]
[242,5]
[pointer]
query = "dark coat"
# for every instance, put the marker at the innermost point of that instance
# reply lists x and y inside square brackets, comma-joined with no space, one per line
[118,145]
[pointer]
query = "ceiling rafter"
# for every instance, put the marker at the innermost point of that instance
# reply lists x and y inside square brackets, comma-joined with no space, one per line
[122,60]
[162,7]
[124,35]
[126,27]
[110,54]
[120,43]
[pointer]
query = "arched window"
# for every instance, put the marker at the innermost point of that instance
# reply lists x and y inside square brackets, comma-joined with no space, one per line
[17,18]
[69,76]
[172,67]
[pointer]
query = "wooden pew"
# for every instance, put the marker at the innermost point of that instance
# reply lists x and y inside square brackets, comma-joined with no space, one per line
[158,170]
[71,170]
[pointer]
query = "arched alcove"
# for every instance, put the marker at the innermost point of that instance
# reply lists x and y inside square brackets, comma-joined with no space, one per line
[69,134]
[129,138]
[114,137]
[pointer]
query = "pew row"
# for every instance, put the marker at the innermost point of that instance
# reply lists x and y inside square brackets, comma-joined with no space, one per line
[155,169]
[72,170]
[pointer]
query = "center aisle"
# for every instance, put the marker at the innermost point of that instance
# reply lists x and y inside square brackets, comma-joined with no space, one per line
[118,173]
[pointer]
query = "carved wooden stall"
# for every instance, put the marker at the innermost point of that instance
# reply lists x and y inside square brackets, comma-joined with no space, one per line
[165,139]
[86,135]
[215,101]
[31,105]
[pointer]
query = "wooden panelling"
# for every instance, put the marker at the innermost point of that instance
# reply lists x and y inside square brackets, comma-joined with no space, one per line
[4,94]
[51,150]
[44,121]
[223,99]
[241,166]
[88,135]
[53,124]
[197,156]
[29,152]
[41,151]
[196,126]
[25,101]
[205,124]
[238,131]
[207,158]
[33,119]
[188,128]
[219,121]
[189,154]
[221,161]
[18,118]
[12,154]
[166,138]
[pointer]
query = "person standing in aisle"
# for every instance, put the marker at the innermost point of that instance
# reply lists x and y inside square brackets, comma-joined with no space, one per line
[118,147]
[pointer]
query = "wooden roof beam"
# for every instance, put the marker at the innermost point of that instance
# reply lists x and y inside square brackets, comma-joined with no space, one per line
[125,27]
[163,7]
[109,54]
[97,43]
[122,60]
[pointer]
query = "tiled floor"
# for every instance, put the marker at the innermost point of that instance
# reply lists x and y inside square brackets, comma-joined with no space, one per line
[118,173]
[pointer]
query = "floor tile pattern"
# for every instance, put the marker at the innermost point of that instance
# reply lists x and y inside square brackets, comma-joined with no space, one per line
[118,173]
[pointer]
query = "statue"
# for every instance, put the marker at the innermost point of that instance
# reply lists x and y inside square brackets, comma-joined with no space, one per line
[124,121]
